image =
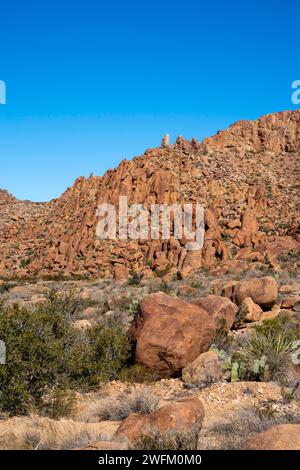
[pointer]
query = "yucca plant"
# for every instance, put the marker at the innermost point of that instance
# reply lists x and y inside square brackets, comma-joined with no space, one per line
[267,356]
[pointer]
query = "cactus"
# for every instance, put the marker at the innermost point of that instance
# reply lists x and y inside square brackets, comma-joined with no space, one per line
[234,372]
[256,367]
[260,365]
[225,358]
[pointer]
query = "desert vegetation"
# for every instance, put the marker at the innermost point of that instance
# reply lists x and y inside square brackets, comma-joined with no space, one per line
[47,359]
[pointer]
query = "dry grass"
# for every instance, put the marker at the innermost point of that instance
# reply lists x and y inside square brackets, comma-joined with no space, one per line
[231,434]
[142,401]
[30,433]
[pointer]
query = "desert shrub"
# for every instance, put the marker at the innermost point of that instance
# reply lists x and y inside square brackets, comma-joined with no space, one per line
[197,284]
[65,300]
[163,272]
[266,356]
[240,317]
[273,346]
[135,279]
[142,401]
[46,357]
[291,256]
[26,261]
[5,287]
[168,440]
[221,336]
[58,402]
[129,305]
[166,288]
[138,373]
[283,323]
[108,354]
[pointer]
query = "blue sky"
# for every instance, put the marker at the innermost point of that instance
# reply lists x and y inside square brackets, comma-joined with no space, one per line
[91,82]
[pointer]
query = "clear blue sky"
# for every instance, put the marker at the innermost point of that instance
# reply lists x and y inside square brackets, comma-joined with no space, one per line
[91,82]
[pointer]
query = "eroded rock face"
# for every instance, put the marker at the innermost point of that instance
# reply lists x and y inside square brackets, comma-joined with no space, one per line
[242,175]
[281,437]
[263,291]
[184,415]
[170,333]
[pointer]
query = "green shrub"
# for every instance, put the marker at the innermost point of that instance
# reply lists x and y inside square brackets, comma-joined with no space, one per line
[5,287]
[283,323]
[135,279]
[46,357]
[109,352]
[25,262]
[58,403]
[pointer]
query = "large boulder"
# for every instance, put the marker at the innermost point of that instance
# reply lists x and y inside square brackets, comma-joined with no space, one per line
[219,308]
[203,370]
[170,333]
[263,291]
[281,437]
[186,414]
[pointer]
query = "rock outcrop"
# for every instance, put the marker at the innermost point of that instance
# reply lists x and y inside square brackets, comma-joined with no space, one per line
[246,177]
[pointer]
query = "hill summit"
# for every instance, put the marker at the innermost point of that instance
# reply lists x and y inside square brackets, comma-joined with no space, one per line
[247,177]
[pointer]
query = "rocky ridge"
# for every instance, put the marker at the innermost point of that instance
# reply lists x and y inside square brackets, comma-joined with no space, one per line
[247,177]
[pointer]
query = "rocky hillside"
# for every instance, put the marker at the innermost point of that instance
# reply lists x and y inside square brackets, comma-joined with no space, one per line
[247,177]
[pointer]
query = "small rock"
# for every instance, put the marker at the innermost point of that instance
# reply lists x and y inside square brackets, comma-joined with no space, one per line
[203,370]
[183,415]
[82,325]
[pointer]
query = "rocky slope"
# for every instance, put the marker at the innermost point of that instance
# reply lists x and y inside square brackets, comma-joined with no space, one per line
[247,177]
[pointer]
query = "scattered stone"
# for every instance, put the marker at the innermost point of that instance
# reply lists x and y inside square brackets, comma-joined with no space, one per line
[203,370]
